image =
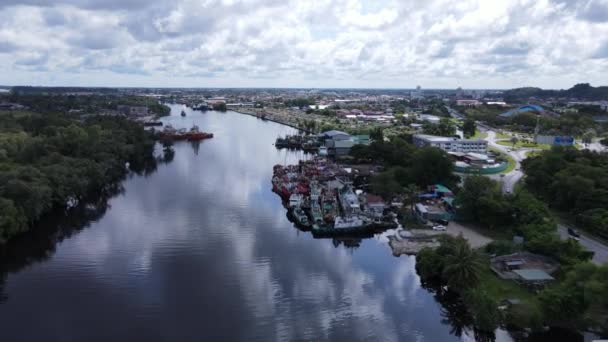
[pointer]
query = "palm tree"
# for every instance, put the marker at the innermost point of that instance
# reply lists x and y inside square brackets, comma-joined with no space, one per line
[411,190]
[463,266]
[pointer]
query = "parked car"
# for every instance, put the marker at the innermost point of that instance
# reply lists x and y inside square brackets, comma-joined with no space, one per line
[574,233]
[439,228]
[442,222]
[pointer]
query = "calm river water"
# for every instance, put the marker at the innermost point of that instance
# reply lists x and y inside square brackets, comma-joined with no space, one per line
[201,249]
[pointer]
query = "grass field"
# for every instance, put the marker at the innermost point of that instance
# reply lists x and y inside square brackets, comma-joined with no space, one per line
[501,135]
[479,135]
[501,289]
[510,160]
[520,144]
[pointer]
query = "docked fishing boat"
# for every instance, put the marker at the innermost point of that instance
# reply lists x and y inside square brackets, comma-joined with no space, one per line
[319,195]
[300,218]
[182,134]
[352,226]
[153,123]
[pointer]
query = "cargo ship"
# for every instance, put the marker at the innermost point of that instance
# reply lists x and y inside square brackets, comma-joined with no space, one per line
[183,134]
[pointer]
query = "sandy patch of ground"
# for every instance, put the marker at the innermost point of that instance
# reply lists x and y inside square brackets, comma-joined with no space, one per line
[475,239]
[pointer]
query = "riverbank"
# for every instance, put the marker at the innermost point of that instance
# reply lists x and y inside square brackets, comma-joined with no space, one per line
[312,122]
[271,118]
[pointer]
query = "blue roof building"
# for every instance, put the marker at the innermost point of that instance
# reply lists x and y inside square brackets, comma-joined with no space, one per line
[523,109]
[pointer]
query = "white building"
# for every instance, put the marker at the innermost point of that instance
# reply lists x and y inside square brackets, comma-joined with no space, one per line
[430,118]
[451,144]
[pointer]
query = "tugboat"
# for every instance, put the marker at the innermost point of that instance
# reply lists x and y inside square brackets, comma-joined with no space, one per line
[183,113]
[195,134]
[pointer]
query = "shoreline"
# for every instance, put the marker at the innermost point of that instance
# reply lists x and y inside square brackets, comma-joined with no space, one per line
[272,119]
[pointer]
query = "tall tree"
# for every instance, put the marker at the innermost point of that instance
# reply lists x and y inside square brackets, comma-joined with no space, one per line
[468,128]
[462,267]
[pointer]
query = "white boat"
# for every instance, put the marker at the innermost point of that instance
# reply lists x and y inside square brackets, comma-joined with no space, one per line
[295,200]
[343,222]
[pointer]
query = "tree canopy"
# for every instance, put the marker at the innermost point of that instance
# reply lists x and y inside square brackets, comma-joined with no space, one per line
[572,181]
[50,161]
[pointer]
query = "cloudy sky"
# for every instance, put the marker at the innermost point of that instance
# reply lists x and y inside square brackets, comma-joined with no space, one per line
[304,43]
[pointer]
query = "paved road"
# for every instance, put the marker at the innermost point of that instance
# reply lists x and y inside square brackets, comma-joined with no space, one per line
[511,178]
[600,250]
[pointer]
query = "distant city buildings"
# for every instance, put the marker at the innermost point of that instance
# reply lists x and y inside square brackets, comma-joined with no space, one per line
[468,103]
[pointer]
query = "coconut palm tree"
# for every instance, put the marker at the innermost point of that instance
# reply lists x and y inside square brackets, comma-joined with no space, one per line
[463,266]
[411,191]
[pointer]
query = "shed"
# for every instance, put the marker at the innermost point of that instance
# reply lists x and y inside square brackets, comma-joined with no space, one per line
[336,135]
[533,275]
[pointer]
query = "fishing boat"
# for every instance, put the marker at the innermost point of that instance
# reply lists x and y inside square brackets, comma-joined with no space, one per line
[352,226]
[153,123]
[182,134]
[300,218]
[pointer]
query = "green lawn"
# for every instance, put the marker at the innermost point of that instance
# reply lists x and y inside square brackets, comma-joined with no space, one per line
[520,144]
[510,160]
[501,289]
[479,135]
[501,135]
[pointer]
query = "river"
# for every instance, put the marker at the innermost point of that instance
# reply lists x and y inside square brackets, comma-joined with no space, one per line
[201,249]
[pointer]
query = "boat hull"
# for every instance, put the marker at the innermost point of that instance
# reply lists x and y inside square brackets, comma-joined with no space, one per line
[365,230]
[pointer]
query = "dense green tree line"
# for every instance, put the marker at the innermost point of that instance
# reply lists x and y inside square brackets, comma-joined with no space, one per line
[481,201]
[572,181]
[405,164]
[583,91]
[437,108]
[51,161]
[575,124]
[86,104]
[580,301]
[444,128]
[299,102]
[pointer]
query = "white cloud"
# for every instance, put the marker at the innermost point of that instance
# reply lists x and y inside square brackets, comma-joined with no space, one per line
[327,43]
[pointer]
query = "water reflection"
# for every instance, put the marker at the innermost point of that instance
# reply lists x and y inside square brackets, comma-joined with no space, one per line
[201,249]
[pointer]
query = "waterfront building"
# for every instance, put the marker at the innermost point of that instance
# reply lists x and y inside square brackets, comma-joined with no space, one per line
[339,143]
